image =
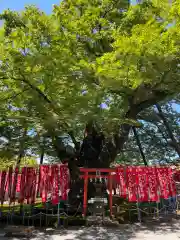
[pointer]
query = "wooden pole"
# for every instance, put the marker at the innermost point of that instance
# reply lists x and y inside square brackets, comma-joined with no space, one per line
[85,193]
[110,194]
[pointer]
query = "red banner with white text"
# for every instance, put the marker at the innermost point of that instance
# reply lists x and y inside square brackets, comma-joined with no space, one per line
[55,184]
[142,184]
[131,183]
[120,176]
[64,181]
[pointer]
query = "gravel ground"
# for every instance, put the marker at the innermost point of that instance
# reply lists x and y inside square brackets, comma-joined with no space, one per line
[150,231]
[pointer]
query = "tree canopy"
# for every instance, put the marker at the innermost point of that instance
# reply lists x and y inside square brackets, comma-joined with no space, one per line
[97,60]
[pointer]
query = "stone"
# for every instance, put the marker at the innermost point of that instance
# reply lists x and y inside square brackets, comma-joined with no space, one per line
[20,231]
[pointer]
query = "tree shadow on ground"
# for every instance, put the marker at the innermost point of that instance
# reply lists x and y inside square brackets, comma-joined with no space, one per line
[123,232]
[165,229]
[87,233]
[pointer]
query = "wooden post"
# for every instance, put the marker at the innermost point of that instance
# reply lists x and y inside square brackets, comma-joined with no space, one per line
[85,193]
[110,193]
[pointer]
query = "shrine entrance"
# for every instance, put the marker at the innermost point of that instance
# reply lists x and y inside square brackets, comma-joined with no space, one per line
[102,179]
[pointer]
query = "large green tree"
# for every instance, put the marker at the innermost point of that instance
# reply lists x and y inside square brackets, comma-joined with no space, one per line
[56,70]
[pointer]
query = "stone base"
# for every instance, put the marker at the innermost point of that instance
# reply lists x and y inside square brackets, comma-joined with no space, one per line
[100,221]
[18,231]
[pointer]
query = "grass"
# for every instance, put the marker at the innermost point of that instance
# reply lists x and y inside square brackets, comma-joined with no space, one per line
[16,207]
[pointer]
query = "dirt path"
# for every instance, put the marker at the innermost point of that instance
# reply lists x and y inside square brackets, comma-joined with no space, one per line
[151,231]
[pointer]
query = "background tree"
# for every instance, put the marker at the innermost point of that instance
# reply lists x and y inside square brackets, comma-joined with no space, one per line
[156,143]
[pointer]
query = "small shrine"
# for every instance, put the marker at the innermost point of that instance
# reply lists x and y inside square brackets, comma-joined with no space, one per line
[100,201]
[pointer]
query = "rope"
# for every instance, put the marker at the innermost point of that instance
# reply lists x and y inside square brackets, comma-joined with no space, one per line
[65,214]
[45,214]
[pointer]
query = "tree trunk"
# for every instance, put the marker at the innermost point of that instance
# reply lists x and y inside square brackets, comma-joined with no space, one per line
[42,156]
[21,146]
[169,131]
[20,156]
[97,151]
[42,151]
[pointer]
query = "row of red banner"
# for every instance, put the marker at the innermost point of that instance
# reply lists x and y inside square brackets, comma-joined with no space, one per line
[135,183]
[145,184]
[49,180]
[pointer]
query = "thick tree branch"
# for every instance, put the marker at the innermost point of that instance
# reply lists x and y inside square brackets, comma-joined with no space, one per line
[41,94]
[153,117]
[157,96]
[15,95]
[77,145]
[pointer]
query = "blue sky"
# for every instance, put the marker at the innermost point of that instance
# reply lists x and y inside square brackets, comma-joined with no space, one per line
[18,5]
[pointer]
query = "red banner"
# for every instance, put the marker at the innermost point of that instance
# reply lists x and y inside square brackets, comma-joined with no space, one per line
[3,186]
[14,184]
[121,182]
[163,182]
[142,183]
[172,185]
[29,191]
[177,176]
[23,185]
[64,181]
[45,181]
[55,189]
[34,187]
[18,185]
[10,181]
[132,184]
[153,184]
